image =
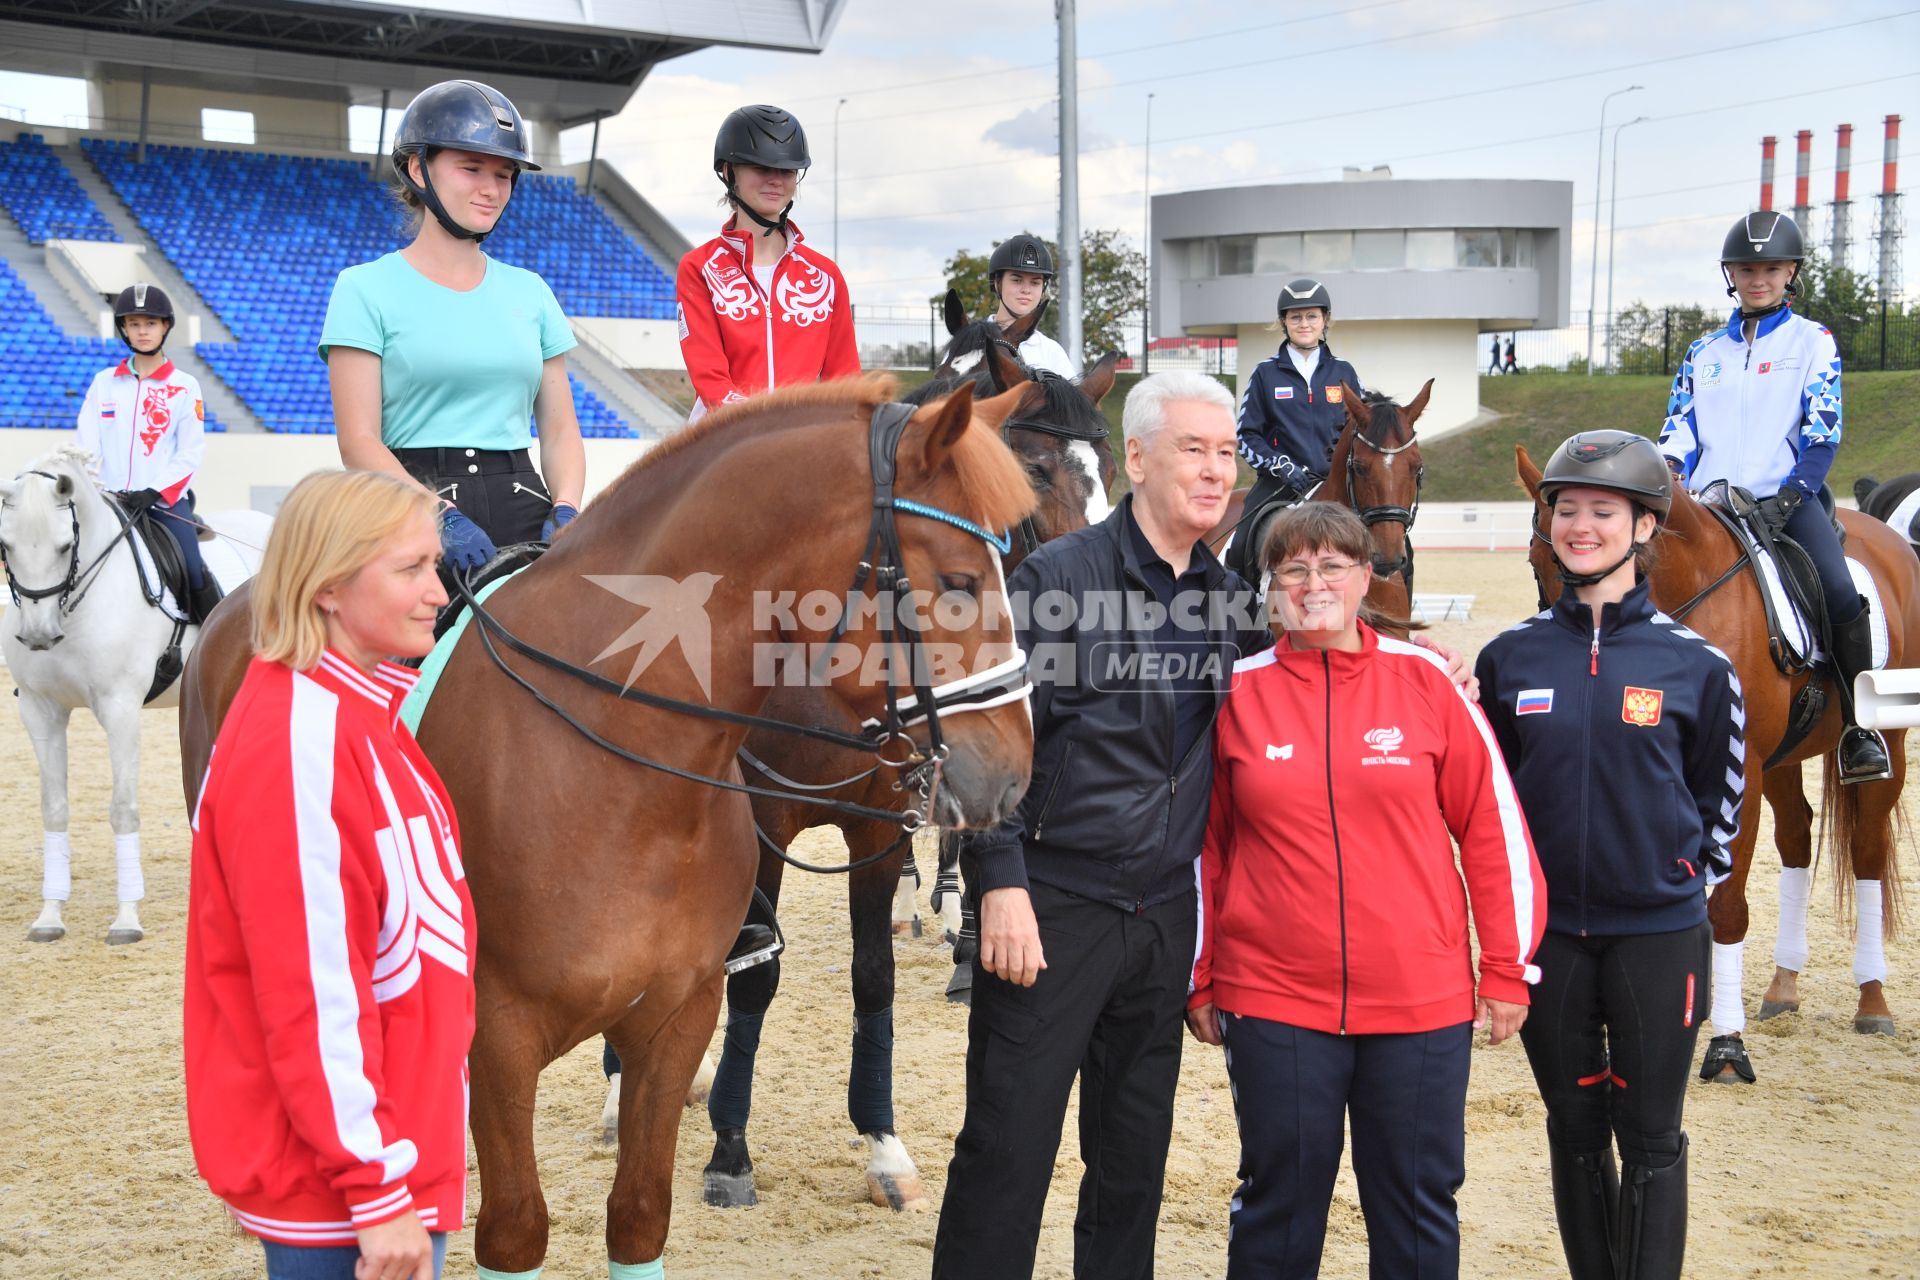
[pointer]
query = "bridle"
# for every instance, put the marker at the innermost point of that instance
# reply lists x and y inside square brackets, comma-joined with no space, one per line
[1028,533]
[882,568]
[1385,514]
[73,588]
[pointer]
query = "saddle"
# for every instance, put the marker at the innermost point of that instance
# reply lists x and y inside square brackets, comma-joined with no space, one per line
[164,583]
[507,561]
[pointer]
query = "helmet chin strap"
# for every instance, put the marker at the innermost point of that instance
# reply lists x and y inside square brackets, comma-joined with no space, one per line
[1572,579]
[740,204]
[157,347]
[1786,299]
[430,198]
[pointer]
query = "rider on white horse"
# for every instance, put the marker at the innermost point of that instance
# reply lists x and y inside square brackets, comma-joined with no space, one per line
[143,421]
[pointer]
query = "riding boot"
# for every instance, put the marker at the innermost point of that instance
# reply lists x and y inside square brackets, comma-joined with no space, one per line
[202,599]
[1653,1220]
[1586,1194]
[1863,752]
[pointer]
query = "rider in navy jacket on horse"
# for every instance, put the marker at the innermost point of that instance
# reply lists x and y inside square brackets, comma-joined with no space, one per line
[1757,404]
[1291,413]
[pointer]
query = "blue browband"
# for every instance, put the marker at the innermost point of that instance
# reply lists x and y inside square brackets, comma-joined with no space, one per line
[1003,543]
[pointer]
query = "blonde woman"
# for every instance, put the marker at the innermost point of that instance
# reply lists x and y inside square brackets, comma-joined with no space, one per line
[330,941]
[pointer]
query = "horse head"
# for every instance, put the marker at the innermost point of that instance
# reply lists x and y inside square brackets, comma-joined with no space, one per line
[1377,470]
[44,514]
[1062,440]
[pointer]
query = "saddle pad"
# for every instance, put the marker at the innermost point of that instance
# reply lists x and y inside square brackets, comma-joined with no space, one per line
[1794,628]
[150,579]
[1902,517]
[435,662]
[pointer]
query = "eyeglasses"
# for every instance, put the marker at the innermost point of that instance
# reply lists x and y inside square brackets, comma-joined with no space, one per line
[1331,572]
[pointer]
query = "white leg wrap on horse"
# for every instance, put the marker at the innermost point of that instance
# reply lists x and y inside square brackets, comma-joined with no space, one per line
[126,859]
[635,1270]
[1869,948]
[1790,942]
[56,866]
[1729,1011]
[488,1273]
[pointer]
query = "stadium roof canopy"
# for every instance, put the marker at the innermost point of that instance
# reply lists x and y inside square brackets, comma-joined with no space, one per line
[569,60]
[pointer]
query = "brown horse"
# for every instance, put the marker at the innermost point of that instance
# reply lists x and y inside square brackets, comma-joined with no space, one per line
[1376,470]
[610,892]
[1691,581]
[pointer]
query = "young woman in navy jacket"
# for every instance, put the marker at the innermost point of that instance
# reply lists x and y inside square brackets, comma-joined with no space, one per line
[1623,733]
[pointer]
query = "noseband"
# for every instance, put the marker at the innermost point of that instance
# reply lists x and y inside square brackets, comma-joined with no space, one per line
[73,588]
[1385,514]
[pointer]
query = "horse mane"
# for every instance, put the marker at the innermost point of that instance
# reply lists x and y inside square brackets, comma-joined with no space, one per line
[976,335]
[71,457]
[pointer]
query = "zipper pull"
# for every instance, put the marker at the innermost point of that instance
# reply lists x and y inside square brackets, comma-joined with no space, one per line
[1593,660]
[1173,785]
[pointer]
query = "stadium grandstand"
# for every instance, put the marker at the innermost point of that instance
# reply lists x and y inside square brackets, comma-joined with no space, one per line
[216,159]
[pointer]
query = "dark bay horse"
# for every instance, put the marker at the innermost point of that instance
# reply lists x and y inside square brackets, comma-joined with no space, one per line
[1889,501]
[1692,558]
[1377,471]
[611,888]
[1056,430]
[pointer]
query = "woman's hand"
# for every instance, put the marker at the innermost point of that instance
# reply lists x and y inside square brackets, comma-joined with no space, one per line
[398,1249]
[1457,669]
[1504,1018]
[1204,1021]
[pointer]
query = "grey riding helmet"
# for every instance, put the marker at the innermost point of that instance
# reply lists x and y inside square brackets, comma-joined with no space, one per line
[459,115]
[1298,295]
[1617,460]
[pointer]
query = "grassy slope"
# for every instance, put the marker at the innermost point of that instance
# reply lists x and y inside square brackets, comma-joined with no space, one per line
[1544,409]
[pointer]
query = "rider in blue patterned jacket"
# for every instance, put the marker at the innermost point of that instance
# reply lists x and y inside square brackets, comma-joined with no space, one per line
[1757,404]
[1292,410]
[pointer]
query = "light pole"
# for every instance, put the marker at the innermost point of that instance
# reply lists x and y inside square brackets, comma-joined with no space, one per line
[836,178]
[1146,243]
[1613,202]
[1593,275]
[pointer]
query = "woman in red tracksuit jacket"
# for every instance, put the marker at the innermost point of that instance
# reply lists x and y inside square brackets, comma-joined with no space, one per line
[1334,962]
[330,936]
[758,307]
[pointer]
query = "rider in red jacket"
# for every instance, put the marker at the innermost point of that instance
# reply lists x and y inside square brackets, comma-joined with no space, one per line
[759,309]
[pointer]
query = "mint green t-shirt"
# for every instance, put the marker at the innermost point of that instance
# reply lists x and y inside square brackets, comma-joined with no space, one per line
[457,370]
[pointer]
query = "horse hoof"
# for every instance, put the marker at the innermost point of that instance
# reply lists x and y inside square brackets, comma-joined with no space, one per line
[46,933]
[960,986]
[1726,1062]
[122,936]
[729,1190]
[1873,1024]
[1774,1008]
[901,1194]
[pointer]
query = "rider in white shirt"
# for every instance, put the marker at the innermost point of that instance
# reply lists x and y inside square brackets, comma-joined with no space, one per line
[1019,272]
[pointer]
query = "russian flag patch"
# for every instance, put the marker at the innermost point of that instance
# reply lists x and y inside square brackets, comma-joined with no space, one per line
[1533,702]
[106,411]
[1283,393]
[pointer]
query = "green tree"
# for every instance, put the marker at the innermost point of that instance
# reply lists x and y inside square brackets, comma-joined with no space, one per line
[1846,302]
[1654,339]
[1113,278]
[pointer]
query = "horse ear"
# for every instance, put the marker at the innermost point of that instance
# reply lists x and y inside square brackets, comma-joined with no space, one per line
[947,421]
[1025,327]
[1529,473]
[954,313]
[1005,370]
[63,487]
[994,411]
[1358,410]
[1096,382]
[1418,407]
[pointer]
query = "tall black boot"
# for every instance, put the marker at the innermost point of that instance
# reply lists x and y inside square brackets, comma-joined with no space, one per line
[1863,752]
[202,599]
[1653,1220]
[1586,1193]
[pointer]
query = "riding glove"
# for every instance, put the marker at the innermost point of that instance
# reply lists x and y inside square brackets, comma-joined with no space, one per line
[1774,512]
[138,500]
[465,544]
[559,518]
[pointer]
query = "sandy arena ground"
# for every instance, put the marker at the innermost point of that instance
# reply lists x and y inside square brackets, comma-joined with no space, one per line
[1815,1171]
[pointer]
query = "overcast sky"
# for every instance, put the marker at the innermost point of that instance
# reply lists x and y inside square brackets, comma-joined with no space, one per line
[947,137]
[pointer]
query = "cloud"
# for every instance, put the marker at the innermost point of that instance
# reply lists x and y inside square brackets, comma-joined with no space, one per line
[1037,129]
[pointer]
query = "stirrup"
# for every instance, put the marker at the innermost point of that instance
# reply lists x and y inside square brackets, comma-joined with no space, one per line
[756,945]
[1723,1052]
[1873,770]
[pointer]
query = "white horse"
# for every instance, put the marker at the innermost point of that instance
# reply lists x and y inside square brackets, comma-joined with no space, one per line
[82,634]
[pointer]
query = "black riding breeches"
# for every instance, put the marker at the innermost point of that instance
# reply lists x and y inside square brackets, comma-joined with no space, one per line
[497,489]
[179,522]
[1812,528]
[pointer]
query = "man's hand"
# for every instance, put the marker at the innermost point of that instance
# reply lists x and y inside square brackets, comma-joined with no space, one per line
[1204,1021]
[1010,936]
[399,1249]
[1504,1018]
[1457,669]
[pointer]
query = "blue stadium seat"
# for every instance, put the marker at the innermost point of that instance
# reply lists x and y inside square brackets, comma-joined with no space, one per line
[44,198]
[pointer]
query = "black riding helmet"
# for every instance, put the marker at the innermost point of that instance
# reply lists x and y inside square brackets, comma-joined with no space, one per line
[142,299]
[1763,236]
[459,115]
[1619,461]
[764,136]
[1298,295]
[1025,253]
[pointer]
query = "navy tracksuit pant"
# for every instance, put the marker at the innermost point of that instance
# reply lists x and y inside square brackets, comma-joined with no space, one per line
[1294,1090]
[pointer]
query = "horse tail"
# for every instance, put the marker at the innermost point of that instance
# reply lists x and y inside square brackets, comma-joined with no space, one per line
[1839,824]
[1862,487]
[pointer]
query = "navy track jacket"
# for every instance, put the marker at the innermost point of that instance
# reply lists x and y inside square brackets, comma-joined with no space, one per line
[1626,745]
[1287,424]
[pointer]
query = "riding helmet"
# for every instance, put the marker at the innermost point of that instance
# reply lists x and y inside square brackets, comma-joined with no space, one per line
[1023,253]
[142,299]
[1764,236]
[1616,460]
[761,135]
[459,115]
[1298,295]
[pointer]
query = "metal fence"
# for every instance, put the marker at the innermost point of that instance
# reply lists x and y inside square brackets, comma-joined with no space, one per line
[1654,340]
[910,337]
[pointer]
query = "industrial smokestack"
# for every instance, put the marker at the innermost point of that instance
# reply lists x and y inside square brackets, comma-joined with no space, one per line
[1802,162]
[1888,234]
[1842,207]
[1767,145]
[1890,159]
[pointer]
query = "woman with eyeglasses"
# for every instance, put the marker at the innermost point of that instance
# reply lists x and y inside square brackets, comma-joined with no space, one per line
[1335,963]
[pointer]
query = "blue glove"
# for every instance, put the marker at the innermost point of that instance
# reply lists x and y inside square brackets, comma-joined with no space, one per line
[559,518]
[465,544]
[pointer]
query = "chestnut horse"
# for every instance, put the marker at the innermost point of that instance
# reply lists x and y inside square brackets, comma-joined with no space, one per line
[609,894]
[1693,583]
[1377,471]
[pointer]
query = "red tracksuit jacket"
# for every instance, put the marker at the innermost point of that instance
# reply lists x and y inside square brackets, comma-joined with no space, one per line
[1330,896]
[738,340]
[330,943]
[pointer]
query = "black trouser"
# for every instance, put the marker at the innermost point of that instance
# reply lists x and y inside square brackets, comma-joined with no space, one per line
[497,489]
[1812,528]
[178,520]
[1244,556]
[1110,1007]
[1293,1092]
[1611,1034]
